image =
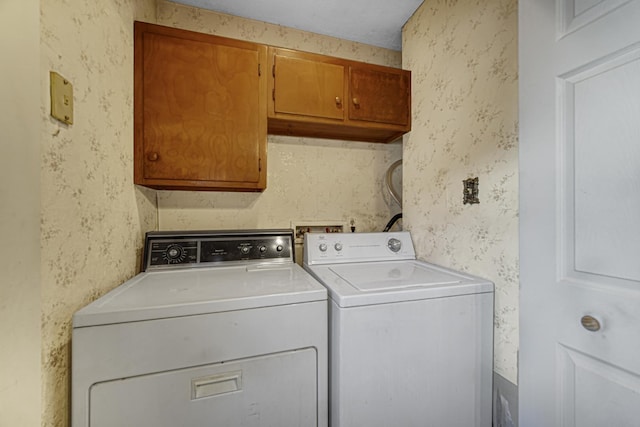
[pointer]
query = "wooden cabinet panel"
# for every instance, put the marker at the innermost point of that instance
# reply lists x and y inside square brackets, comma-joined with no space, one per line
[308,88]
[379,96]
[310,92]
[200,111]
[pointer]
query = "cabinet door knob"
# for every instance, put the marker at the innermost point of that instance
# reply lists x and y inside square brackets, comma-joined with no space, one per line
[153,157]
[338,101]
[356,102]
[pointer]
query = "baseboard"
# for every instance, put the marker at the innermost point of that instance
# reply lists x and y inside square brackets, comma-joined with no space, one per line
[505,402]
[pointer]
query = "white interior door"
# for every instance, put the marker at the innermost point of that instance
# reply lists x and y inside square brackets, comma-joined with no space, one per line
[580,213]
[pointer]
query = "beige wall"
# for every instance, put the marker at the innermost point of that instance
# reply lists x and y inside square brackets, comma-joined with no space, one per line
[463,57]
[307,179]
[19,214]
[93,217]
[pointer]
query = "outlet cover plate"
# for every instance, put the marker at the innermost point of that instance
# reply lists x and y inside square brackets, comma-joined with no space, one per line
[470,191]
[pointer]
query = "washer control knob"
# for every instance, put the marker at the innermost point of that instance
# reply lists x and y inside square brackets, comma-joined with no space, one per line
[279,248]
[263,249]
[338,246]
[245,250]
[394,244]
[323,247]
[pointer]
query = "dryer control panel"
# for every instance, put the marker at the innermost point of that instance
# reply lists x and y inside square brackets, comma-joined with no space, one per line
[184,249]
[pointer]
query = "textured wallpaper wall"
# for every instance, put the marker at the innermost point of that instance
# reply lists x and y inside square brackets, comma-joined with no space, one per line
[307,179]
[462,54]
[463,58]
[93,218]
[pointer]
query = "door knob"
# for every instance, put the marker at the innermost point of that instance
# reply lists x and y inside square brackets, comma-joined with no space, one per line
[153,157]
[590,323]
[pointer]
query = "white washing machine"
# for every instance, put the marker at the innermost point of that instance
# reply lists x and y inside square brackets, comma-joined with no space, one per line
[222,329]
[410,343]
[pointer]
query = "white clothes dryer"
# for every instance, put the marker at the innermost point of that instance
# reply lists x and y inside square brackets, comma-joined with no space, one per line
[410,343]
[222,329]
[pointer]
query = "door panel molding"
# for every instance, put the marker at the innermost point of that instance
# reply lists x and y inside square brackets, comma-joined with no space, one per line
[581,235]
[583,379]
[572,15]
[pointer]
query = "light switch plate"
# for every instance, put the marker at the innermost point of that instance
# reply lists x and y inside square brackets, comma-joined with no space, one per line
[61,98]
[470,191]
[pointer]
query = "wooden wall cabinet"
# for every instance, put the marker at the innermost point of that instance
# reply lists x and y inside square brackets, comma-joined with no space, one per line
[203,105]
[200,114]
[326,97]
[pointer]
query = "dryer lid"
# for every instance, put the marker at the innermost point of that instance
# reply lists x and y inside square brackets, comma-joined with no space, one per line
[174,293]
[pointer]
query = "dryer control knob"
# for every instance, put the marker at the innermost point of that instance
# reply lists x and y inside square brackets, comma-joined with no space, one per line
[323,247]
[338,246]
[394,244]
[174,254]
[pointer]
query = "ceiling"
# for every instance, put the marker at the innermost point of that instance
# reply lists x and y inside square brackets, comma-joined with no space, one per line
[374,22]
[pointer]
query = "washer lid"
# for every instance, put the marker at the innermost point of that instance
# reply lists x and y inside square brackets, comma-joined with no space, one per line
[371,277]
[367,283]
[164,294]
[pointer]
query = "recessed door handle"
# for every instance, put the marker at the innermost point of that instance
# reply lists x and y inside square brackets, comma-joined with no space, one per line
[216,384]
[590,323]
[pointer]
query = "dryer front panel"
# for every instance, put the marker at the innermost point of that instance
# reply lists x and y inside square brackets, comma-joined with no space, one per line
[273,390]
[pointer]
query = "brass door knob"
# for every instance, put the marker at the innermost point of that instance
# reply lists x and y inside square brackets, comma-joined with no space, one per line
[590,323]
[338,102]
[356,102]
[153,157]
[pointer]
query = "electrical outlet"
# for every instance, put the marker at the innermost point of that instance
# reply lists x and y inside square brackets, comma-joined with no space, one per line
[321,227]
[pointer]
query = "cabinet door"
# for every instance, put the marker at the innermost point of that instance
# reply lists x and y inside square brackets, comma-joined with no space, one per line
[307,87]
[381,96]
[200,114]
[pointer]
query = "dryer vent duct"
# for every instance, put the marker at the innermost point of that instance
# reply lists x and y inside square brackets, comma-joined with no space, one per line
[393,192]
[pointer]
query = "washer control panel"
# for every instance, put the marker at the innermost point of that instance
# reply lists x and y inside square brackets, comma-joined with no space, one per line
[209,248]
[328,248]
